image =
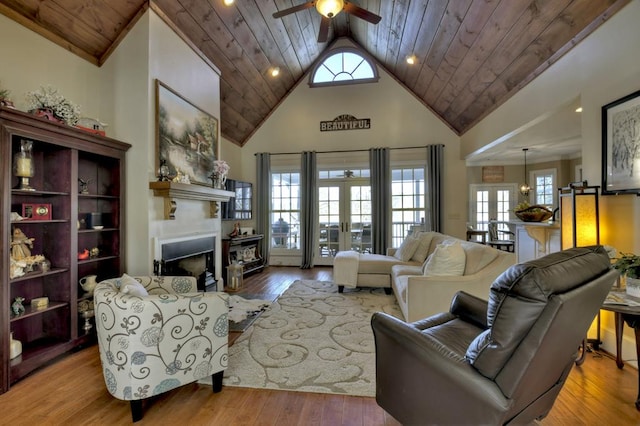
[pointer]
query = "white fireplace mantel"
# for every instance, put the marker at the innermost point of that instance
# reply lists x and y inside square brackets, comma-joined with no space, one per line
[172,190]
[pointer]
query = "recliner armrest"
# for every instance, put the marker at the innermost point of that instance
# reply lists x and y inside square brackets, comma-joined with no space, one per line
[470,308]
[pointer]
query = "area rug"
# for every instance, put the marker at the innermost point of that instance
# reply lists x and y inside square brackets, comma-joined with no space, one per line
[246,308]
[312,339]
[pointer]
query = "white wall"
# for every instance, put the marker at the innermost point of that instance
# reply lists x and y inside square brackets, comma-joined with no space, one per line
[602,68]
[397,120]
[29,61]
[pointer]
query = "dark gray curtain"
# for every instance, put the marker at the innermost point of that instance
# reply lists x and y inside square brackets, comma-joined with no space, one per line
[380,165]
[435,162]
[308,207]
[263,201]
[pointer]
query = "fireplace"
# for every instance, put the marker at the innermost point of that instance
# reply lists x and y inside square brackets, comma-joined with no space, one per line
[188,255]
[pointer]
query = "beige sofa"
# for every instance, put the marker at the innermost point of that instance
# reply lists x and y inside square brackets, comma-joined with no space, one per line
[420,295]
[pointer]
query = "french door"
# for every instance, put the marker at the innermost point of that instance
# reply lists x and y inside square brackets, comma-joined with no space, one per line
[491,202]
[344,218]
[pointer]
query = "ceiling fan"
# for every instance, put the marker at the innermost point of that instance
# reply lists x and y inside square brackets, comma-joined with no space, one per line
[329,9]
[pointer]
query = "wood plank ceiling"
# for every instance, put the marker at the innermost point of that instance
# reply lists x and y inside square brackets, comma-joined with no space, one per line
[472,55]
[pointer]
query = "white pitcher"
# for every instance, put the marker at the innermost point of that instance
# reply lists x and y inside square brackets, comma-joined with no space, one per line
[88,283]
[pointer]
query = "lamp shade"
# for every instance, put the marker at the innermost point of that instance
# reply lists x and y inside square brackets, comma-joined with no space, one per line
[329,8]
[580,216]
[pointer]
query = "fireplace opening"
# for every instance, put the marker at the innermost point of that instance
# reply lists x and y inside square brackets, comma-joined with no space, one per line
[194,257]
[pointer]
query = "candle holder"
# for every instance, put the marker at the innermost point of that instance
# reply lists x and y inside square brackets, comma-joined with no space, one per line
[23,165]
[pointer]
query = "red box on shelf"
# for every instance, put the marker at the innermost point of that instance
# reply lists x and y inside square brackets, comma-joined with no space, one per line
[36,211]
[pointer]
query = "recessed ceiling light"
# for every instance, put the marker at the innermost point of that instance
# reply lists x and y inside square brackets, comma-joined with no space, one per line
[275,71]
[228,2]
[579,109]
[411,59]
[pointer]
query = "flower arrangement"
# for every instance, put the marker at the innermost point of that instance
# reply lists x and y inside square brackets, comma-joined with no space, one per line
[220,168]
[49,98]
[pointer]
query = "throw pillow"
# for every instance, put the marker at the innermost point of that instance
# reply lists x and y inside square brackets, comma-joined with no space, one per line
[423,247]
[132,287]
[448,259]
[406,249]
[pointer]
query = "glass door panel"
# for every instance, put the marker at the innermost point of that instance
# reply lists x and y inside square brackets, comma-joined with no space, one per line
[344,219]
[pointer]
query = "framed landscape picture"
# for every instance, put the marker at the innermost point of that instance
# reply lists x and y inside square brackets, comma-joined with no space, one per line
[187,137]
[621,145]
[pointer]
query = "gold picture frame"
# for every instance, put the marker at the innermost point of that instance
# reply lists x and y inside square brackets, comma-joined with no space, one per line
[186,136]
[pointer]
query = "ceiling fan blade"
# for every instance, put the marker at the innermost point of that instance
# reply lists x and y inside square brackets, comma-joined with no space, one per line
[323,34]
[294,9]
[361,13]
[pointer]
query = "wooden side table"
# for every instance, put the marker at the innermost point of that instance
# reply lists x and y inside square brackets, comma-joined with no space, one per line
[630,315]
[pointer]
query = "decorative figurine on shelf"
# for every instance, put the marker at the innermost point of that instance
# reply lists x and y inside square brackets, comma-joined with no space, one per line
[83,255]
[181,177]
[20,245]
[16,268]
[84,185]
[94,252]
[236,230]
[163,171]
[17,306]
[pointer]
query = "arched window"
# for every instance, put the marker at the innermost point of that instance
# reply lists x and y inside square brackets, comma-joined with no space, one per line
[345,65]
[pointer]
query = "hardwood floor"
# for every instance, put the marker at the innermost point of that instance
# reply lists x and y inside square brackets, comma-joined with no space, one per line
[71,391]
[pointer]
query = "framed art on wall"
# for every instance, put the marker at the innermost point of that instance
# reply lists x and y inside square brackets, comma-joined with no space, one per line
[186,136]
[621,145]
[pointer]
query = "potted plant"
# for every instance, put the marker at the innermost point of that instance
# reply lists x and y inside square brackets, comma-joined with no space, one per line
[4,97]
[629,266]
[48,103]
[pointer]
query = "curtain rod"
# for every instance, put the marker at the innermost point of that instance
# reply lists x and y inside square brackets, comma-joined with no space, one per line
[346,150]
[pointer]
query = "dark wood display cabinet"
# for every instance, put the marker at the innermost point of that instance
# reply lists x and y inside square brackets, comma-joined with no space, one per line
[74,217]
[245,250]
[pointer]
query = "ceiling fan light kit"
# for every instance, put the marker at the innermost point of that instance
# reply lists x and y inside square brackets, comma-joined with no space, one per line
[329,8]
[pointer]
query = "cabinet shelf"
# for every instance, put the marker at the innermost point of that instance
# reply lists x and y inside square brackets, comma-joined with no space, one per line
[31,311]
[95,259]
[89,231]
[98,196]
[31,275]
[37,193]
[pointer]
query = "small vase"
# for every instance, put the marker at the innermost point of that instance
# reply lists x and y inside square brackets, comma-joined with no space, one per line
[219,181]
[633,287]
[15,348]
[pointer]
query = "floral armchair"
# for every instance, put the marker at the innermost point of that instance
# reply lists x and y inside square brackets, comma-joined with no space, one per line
[152,343]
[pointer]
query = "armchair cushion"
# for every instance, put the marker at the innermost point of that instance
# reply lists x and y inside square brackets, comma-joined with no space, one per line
[131,286]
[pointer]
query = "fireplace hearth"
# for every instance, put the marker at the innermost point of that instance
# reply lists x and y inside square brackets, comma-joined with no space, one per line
[193,256]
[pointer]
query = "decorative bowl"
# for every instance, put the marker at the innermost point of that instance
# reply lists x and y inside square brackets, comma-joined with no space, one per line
[534,213]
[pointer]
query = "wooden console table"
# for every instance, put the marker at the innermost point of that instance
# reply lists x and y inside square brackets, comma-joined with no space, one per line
[245,250]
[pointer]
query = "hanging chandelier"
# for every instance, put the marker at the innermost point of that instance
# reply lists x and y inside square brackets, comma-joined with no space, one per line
[525,188]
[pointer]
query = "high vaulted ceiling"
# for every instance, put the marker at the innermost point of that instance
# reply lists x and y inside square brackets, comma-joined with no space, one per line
[472,55]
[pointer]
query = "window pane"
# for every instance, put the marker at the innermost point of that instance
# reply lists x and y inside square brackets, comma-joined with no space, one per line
[285,210]
[407,202]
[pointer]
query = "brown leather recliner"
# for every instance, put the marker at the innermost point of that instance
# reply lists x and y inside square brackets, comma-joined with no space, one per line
[496,362]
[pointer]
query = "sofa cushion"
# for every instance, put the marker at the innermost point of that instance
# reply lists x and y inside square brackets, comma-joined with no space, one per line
[378,264]
[406,269]
[520,294]
[478,256]
[407,248]
[422,251]
[448,259]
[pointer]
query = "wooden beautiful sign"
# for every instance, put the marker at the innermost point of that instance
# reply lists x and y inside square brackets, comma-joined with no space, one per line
[345,122]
